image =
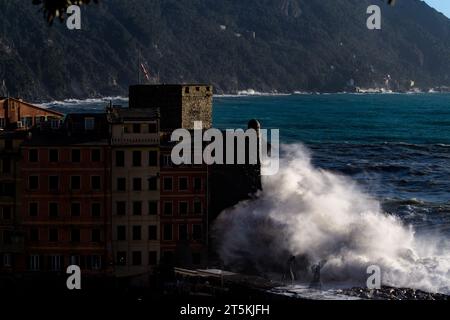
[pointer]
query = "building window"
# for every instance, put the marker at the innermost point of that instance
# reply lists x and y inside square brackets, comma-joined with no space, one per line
[6,165]
[153,208]
[96,262]
[121,184]
[121,208]
[34,234]
[137,233]
[75,209]
[74,260]
[137,184]
[152,233]
[153,127]
[137,208]
[121,258]
[53,235]
[167,160]
[55,263]
[96,183]
[182,232]
[9,144]
[137,158]
[120,159]
[39,120]
[7,189]
[33,209]
[33,155]
[34,263]
[33,182]
[53,155]
[75,235]
[96,209]
[153,184]
[96,235]
[186,90]
[137,258]
[6,213]
[168,208]
[54,123]
[96,155]
[136,128]
[183,208]
[53,183]
[198,209]
[197,184]
[168,184]
[183,184]
[7,260]
[153,158]
[76,155]
[7,237]
[168,232]
[89,124]
[121,233]
[2,122]
[152,258]
[75,183]
[53,210]
[197,232]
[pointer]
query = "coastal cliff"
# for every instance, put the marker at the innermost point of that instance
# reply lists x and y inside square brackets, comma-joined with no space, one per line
[283,46]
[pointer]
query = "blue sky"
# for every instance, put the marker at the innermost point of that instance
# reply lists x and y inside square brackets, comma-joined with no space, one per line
[440,5]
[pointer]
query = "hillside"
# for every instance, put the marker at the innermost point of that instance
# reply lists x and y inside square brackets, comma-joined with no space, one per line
[284,45]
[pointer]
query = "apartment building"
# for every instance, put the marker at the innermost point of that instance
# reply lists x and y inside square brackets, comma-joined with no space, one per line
[135,174]
[184,211]
[11,238]
[65,189]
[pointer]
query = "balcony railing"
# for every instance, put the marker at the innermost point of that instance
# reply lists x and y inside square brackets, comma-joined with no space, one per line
[135,139]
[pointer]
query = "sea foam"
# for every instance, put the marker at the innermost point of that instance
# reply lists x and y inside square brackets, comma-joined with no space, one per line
[321,217]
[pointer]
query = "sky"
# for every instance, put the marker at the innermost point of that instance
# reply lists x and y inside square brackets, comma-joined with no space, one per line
[440,5]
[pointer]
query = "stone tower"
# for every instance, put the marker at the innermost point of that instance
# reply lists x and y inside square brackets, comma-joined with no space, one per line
[179,105]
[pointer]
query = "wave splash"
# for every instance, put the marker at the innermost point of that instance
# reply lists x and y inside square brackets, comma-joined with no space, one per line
[319,216]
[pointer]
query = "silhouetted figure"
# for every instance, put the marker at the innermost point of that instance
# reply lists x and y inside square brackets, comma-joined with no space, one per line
[290,270]
[316,283]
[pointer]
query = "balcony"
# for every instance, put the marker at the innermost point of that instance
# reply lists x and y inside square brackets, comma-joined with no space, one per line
[136,139]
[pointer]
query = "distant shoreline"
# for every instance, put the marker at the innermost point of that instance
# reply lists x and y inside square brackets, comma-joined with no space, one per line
[241,94]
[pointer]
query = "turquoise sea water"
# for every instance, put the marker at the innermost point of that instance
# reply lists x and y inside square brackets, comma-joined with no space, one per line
[344,118]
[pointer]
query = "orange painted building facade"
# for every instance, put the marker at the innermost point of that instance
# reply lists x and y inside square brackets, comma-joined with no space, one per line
[66,202]
[17,114]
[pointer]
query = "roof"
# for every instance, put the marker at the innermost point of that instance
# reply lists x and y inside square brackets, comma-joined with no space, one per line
[59,114]
[119,115]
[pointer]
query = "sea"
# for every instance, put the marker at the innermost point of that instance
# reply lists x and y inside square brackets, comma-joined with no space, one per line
[378,165]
